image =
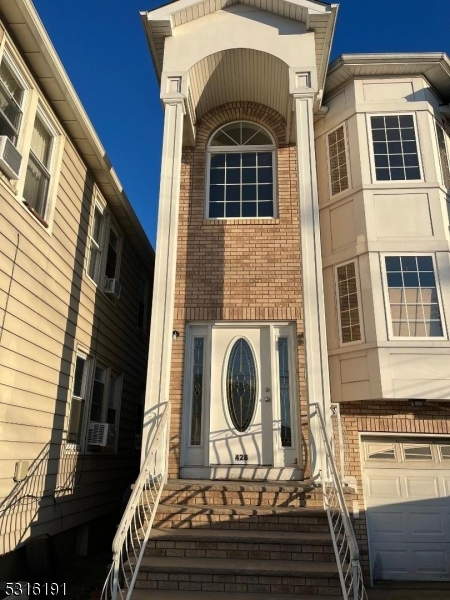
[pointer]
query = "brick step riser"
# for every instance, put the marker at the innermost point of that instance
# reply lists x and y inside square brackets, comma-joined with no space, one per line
[261,523]
[239,583]
[243,499]
[302,552]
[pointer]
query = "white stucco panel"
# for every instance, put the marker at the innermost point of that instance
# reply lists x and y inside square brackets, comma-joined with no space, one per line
[417,375]
[240,26]
[403,215]
[387,91]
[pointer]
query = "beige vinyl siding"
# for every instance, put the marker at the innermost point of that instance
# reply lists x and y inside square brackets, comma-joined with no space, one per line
[52,307]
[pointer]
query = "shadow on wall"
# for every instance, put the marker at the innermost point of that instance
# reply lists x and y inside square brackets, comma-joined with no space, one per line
[58,491]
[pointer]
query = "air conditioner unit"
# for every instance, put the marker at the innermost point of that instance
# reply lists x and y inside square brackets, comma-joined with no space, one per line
[10,158]
[101,434]
[112,287]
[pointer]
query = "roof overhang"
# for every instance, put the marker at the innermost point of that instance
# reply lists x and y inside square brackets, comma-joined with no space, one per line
[26,29]
[434,66]
[319,17]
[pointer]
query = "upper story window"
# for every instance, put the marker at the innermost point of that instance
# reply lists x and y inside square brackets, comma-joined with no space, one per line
[37,179]
[12,94]
[395,150]
[413,296]
[104,252]
[337,155]
[349,305]
[443,155]
[241,172]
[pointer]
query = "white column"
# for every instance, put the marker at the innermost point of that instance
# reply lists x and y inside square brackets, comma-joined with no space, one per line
[317,376]
[158,375]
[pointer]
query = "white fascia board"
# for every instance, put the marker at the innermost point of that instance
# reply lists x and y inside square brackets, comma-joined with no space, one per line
[322,75]
[46,48]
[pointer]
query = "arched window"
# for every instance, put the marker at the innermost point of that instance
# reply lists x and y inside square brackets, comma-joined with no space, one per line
[241,172]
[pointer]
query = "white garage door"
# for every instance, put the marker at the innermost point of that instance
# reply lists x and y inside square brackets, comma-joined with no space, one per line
[407,496]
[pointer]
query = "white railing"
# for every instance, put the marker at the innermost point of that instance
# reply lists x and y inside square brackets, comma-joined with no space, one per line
[134,529]
[343,536]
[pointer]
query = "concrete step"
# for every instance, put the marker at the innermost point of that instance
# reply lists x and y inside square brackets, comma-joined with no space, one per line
[179,595]
[250,517]
[240,576]
[248,544]
[242,493]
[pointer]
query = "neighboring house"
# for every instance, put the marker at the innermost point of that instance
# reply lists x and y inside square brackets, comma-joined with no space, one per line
[303,257]
[76,272]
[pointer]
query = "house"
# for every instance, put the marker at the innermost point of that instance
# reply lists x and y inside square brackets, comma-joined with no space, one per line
[302,265]
[76,273]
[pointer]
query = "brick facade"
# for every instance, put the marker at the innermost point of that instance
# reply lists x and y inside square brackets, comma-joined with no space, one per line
[383,417]
[235,269]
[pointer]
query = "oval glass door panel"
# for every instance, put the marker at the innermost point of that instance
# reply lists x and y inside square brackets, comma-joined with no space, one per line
[241,385]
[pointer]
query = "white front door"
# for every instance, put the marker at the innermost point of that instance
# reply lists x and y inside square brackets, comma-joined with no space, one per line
[241,395]
[240,401]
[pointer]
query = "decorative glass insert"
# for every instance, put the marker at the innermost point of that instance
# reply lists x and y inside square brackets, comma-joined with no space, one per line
[348,303]
[443,154]
[380,450]
[241,173]
[395,148]
[241,385]
[417,452]
[197,393]
[413,296]
[285,398]
[338,161]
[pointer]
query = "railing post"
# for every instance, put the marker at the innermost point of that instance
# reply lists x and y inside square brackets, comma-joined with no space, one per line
[355,567]
[115,579]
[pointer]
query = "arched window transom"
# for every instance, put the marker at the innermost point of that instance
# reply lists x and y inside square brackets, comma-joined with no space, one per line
[241,169]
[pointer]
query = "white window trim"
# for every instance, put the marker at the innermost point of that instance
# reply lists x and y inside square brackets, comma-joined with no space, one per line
[88,383]
[9,57]
[53,169]
[338,308]
[391,182]
[447,147]
[210,150]
[101,205]
[387,305]
[347,161]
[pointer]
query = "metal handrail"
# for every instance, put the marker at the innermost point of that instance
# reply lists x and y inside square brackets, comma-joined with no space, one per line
[342,533]
[134,529]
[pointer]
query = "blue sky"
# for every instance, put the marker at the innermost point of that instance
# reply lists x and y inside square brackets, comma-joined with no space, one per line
[103,48]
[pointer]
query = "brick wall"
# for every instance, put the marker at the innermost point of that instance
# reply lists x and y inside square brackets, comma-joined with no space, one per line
[235,270]
[383,417]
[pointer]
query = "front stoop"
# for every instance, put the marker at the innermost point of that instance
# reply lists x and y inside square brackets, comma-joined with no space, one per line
[223,539]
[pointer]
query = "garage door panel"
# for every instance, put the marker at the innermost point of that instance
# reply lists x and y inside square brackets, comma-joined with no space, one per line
[384,488]
[397,561]
[408,512]
[386,525]
[420,486]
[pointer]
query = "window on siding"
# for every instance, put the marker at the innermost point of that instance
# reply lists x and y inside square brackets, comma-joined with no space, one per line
[241,172]
[12,94]
[37,179]
[443,155]
[349,315]
[338,161]
[79,396]
[395,148]
[104,247]
[413,296]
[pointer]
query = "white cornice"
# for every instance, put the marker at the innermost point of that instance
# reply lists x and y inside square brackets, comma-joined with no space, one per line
[20,17]
[434,66]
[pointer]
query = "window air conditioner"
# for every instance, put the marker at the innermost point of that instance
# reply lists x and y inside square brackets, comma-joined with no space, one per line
[101,434]
[112,287]
[10,158]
